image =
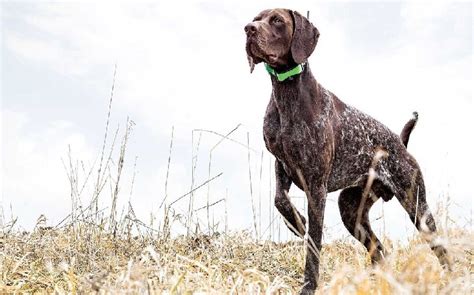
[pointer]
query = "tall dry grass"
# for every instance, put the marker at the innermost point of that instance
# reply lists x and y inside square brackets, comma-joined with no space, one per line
[88,259]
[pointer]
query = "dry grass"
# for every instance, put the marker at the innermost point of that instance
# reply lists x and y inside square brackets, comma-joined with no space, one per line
[87,259]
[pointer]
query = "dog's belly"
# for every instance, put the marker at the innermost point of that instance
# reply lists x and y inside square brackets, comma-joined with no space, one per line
[349,172]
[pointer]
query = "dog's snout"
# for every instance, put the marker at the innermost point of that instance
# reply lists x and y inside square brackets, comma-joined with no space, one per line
[250,29]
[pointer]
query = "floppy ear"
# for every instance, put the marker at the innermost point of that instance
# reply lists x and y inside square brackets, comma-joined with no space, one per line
[305,37]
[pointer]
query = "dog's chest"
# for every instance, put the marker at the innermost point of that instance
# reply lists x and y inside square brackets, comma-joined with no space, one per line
[272,136]
[292,142]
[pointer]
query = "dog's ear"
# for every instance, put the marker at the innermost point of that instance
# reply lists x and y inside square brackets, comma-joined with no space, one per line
[305,37]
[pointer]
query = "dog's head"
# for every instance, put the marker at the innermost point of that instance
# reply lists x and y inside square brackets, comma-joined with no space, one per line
[280,38]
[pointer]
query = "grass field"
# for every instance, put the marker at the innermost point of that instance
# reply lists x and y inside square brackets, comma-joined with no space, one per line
[85,258]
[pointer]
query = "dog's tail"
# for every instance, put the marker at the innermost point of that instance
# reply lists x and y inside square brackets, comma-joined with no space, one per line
[408,128]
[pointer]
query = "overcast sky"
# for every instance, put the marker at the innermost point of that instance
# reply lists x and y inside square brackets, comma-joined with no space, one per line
[183,64]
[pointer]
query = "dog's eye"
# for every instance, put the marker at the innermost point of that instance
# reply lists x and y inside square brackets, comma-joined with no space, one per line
[277,20]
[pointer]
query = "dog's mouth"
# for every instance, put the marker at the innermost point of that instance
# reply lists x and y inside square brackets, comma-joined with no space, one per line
[253,49]
[272,58]
[256,53]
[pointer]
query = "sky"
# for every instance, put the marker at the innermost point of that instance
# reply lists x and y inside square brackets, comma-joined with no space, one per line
[181,66]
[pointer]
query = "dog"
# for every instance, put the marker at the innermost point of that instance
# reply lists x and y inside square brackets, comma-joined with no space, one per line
[323,145]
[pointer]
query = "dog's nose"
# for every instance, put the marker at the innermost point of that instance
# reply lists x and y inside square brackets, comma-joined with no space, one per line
[250,29]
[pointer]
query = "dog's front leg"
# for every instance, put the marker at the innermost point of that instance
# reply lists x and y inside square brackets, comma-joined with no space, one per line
[293,219]
[316,203]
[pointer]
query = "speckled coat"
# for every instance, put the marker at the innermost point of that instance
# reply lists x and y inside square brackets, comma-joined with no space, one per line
[322,145]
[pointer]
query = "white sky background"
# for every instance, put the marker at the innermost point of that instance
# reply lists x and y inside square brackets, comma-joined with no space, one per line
[183,64]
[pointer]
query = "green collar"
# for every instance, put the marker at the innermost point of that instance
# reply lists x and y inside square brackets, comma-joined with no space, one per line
[283,76]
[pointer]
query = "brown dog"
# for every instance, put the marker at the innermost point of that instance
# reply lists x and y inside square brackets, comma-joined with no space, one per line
[323,145]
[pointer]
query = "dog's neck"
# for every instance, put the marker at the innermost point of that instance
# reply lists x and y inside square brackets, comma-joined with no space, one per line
[290,88]
[290,96]
[290,64]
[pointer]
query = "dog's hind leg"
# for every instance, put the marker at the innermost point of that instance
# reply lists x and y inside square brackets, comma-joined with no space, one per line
[412,197]
[349,201]
[293,219]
